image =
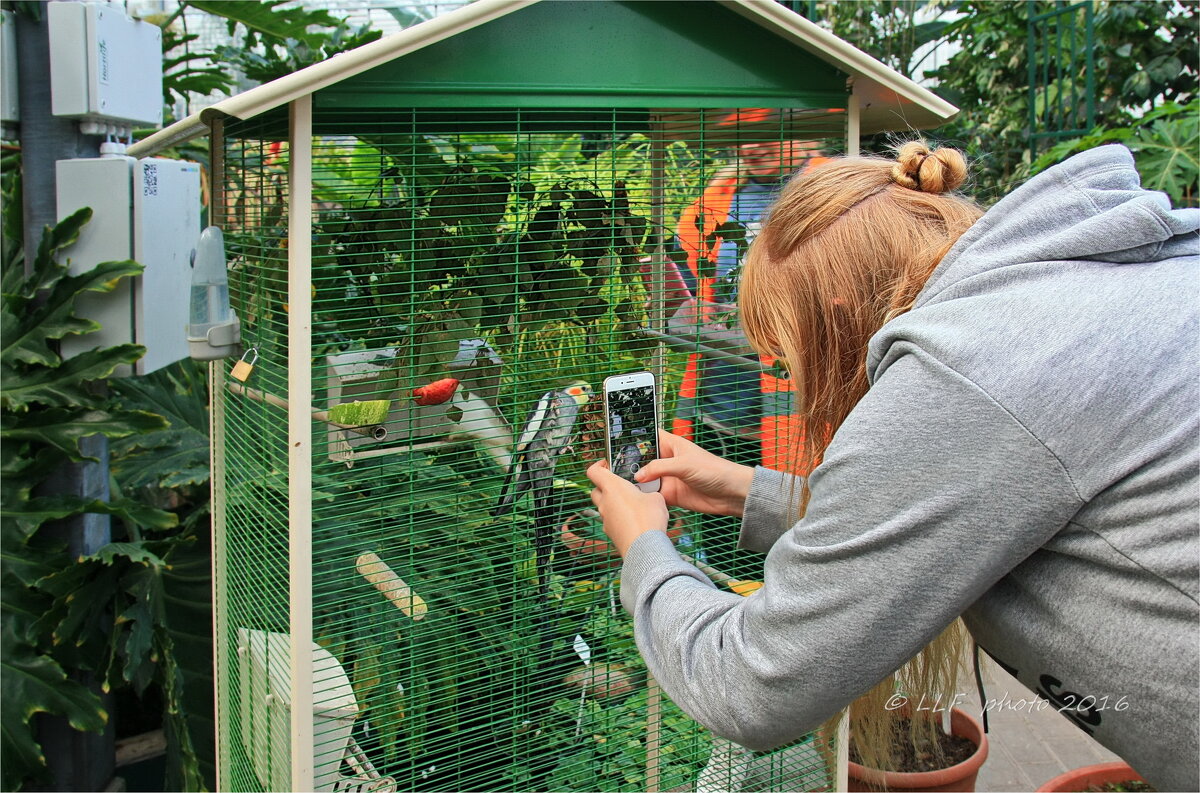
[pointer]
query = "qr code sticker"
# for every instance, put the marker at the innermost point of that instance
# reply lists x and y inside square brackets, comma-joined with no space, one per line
[150,180]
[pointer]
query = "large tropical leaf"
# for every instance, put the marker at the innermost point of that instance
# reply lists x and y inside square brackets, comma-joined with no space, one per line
[26,337]
[66,384]
[269,18]
[46,267]
[63,427]
[1166,155]
[174,456]
[36,511]
[32,684]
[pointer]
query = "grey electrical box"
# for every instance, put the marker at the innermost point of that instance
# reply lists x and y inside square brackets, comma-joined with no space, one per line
[147,210]
[105,66]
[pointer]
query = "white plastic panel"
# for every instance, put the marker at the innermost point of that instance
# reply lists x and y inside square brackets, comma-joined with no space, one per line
[166,227]
[149,211]
[105,185]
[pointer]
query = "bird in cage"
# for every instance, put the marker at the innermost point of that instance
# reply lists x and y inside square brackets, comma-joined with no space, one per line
[548,433]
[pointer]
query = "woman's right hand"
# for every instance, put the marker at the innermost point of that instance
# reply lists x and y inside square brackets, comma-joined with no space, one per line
[697,480]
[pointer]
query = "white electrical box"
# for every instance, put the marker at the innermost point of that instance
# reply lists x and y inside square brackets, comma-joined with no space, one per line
[147,210]
[105,66]
[9,110]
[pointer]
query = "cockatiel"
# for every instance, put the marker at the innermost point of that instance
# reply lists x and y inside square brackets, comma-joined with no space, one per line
[548,433]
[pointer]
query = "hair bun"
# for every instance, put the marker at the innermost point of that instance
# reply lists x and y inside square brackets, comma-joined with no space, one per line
[937,171]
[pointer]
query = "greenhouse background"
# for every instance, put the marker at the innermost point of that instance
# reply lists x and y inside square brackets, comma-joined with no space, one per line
[521,241]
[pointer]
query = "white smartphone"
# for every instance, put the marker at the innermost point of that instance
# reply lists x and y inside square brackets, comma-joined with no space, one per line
[631,425]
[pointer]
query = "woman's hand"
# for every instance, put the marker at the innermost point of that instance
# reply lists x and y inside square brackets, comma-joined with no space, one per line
[628,513]
[697,480]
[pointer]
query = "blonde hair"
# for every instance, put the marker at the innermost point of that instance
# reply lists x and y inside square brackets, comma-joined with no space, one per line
[847,247]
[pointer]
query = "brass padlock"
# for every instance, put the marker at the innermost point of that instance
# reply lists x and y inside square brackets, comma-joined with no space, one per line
[243,369]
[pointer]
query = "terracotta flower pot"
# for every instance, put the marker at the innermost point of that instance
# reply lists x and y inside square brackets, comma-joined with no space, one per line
[1083,778]
[959,777]
[600,552]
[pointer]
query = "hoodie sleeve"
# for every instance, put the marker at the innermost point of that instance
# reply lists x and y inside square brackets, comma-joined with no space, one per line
[773,497]
[929,493]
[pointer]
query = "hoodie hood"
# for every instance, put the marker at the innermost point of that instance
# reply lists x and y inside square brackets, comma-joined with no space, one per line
[1089,207]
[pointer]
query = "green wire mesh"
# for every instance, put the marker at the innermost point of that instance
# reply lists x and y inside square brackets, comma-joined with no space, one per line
[517,252]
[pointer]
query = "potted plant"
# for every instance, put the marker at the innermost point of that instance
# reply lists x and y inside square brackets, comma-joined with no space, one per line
[958,775]
[1101,776]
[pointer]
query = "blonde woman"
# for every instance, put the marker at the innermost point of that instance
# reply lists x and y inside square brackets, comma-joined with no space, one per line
[1004,409]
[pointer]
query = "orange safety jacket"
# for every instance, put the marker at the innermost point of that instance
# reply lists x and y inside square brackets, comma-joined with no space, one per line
[778,429]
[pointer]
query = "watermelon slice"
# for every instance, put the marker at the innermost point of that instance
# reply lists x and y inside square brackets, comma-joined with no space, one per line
[360,414]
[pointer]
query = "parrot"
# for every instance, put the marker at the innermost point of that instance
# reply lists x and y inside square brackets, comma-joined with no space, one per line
[548,433]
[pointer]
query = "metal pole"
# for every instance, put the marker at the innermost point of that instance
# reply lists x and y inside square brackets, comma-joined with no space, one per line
[658,319]
[853,116]
[216,435]
[300,437]
[77,760]
[1031,59]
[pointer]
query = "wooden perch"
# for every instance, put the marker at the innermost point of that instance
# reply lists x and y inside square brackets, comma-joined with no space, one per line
[383,578]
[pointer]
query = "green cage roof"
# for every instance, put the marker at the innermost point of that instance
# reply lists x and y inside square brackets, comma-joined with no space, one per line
[643,55]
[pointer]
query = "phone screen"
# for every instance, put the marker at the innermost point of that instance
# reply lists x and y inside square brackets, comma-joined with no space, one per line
[632,432]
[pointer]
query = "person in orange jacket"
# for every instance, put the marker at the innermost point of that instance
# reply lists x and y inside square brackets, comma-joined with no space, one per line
[738,414]
[737,405]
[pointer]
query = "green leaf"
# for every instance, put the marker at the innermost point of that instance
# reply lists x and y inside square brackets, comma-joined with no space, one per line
[31,684]
[135,552]
[137,644]
[268,18]
[63,427]
[36,511]
[46,269]
[179,454]
[63,385]
[25,339]
[1166,156]
[79,620]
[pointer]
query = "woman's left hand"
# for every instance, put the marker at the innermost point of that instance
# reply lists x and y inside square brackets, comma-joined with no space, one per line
[628,513]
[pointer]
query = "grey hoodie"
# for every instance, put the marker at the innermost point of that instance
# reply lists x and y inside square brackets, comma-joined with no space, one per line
[1027,457]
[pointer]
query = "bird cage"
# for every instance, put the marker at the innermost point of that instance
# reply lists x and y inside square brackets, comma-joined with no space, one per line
[435,243]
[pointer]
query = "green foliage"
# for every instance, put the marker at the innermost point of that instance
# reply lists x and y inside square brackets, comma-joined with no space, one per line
[175,457]
[1165,143]
[116,613]
[1144,55]
[169,469]
[989,78]
[186,72]
[888,29]
[279,40]
[269,18]
[47,406]
[34,683]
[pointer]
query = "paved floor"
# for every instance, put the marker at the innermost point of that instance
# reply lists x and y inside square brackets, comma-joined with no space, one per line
[1028,745]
